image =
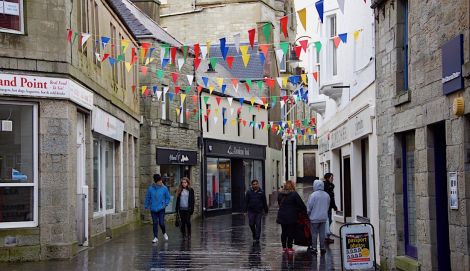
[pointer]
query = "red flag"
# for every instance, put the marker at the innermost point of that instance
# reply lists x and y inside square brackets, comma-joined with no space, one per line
[197,50]
[262,125]
[177,90]
[208,112]
[69,36]
[174,76]
[264,100]
[173,55]
[239,110]
[284,21]
[244,123]
[205,118]
[230,61]
[251,34]
[133,88]
[143,70]
[247,87]
[264,48]
[218,100]
[304,44]
[315,75]
[337,41]
[270,82]
[199,89]
[235,82]
[284,98]
[132,55]
[197,61]
[104,57]
[195,99]
[298,50]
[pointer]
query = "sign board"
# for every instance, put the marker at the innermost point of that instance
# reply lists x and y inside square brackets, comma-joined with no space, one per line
[323,144]
[453,184]
[176,157]
[452,60]
[357,246]
[108,125]
[45,87]
[339,137]
[360,125]
[235,150]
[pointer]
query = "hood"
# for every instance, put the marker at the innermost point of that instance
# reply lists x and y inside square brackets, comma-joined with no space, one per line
[318,185]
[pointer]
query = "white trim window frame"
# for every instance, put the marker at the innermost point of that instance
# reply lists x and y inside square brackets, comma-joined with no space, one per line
[164,101]
[102,177]
[34,184]
[21,15]
[182,116]
[332,51]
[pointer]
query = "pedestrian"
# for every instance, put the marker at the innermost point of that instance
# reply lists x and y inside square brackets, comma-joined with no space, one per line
[156,199]
[317,208]
[185,206]
[290,206]
[330,189]
[256,206]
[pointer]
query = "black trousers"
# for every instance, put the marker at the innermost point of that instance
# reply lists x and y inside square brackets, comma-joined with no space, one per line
[287,235]
[254,220]
[185,222]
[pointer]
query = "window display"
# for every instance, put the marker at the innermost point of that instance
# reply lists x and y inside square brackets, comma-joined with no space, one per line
[103,176]
[219,184]
[171,175]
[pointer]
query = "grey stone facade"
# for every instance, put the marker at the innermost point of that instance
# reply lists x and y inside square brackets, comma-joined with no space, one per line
[431,24]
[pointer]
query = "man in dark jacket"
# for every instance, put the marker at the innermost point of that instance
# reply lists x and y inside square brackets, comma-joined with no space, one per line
[256,205]
[330,189]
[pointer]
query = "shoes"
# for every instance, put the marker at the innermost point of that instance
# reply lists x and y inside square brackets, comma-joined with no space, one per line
[322,251]
[290,250]
[155,240]
[329,241]
[165,236]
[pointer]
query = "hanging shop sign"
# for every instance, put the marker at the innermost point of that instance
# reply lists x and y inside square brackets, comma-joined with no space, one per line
[45,87]
[357,246]
[108,125]
[235,150]
[176,157]
[452,60]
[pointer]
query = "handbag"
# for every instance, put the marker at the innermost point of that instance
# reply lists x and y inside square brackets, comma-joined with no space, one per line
[177,220]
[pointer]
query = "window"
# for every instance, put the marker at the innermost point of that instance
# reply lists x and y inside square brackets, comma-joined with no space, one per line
[223,120]
[11,16]
[282,65]
[333,51]
[409,193]
[122,67]
[103,176]
[114,54]
[238,123]
[219,184]
[404,10]
[96,34]
[254,126]
[182,116]
[253,171]
[208,108]
[83,22]
[165,106]
[171,176]
[18,165]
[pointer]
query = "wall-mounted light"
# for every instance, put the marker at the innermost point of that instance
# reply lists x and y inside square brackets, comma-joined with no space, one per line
[458,106]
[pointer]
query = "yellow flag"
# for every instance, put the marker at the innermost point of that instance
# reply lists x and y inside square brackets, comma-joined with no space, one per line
[304,78]
[266,106]
[356,35]
[234,121]
[211,88]
[208,44]
[288,123]
[252,100]
[246,59]
[284,81]
[128,66]
[217,111]
[144,88]
[183,97]
[178,111]
[143,52]
[124,45]
[303,17]
[244,49]
[220,81]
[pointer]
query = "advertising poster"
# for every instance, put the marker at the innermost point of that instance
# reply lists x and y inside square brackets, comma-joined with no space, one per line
[357,249]
[357,246]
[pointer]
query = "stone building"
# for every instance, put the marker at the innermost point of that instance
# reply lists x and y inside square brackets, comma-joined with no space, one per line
[170,133]
[423,133]
[69,129]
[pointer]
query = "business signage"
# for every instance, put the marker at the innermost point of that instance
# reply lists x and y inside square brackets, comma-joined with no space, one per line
[361,124]
[108,125]
[323,144]
[452,60]
[45,87]
[235,150]
[339,137]
[176,157]
[357,246]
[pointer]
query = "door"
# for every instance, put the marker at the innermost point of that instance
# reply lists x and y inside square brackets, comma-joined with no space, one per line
[82,188]
[347,186]
[309,165]
[238,185]
[442,222]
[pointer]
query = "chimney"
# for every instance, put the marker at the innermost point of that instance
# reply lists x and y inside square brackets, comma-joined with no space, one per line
[149,7]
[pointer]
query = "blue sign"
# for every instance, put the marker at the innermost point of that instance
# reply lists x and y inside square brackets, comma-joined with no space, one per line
[452,60]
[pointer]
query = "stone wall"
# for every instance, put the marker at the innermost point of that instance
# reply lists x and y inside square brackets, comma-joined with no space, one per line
[431,23]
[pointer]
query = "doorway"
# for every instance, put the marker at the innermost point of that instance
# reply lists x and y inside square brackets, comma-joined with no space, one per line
[347,186]
[82,188]
[440,171]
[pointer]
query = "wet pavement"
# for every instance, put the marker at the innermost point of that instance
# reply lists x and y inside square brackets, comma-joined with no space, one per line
[218,243]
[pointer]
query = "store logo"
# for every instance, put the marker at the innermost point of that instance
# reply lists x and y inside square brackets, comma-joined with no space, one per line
[238,151]
[178,158]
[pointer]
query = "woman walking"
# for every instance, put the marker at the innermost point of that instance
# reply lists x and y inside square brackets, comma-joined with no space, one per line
[290,206]
[185,206]
[156,199]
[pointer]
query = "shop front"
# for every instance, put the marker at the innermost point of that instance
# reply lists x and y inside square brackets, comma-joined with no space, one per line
[229,169]
[174,165]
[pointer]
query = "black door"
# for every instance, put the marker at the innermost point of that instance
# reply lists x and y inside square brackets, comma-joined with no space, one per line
[238,185]
[442,222]
[347,186]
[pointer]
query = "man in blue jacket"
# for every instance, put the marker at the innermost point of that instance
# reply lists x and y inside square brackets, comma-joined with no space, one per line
[255,204]
[156,199]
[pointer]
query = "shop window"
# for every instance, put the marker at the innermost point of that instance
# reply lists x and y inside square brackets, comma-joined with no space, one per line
[103,176]
[253,171]
[171,175]
[409,193]
[11,16]
[219,184]
[18,165]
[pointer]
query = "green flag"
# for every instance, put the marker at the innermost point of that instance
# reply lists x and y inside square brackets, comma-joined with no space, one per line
[248,81]
[267,28]
[206,99]
[213,62]
[318,46]
[160,74]
[284,47]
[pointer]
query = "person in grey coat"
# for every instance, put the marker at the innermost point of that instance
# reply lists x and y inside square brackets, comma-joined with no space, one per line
[317,210]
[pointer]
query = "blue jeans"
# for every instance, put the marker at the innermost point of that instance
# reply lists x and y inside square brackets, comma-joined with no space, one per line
[318,231]
[158,218]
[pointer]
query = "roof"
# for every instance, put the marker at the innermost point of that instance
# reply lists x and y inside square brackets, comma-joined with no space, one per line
[140,24]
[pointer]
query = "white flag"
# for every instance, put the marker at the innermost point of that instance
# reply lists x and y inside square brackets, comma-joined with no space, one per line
[215,120]
[165,90]
[190,78]
[230,99]
[85,37]
[282,104]
[159,94]
[231,111]
[279,81]
[180,63]
[203,51]
[236,40]
[279,55]
[162,54]
[341,5]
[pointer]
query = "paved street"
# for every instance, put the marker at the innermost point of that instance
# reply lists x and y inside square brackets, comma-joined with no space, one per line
[218,243]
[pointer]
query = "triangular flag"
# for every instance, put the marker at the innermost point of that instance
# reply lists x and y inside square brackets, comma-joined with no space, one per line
[270,82]
[298,51]
[284,81]
[104,41]
[155,90]
[128,66]
[246,59]
[279,55]
[336,41]
[304,44]
[267,28]
[173,55]
[85,37]
[177,90]
[194,99]
[180,63]
[318,46]
[285,47]
[222,46]
[208,46]
[170,95]
[178,111]
[159,94]
[248,86]
[236,40]
[235,84]
[225,122]
[218,98]
[252,100]
[234,121]
[190,78]
[69,35]
[319,6]
[144,89]
[284,22]
[215,119]
[183,97]
[304,78]
[343,37]
[315,75]
[159,74]
[112,60]
[104,57]
[185,51]
[205,80]
[230,61]
[211,89]
[197,61]
[199,89]
[273,101]
[249,83]
[206,99]
[124,45]
[302,14]
[143,70]
[197,50]
[165,90]
[230,100]
[224,87]
[174,77]
[260,85]
[213,62]
[165,61]
[203,51]
[261,59]
[356,35]
[279,81]
[220,81]
[241,102]
[341,5]
[282,104]
[251,35]
[264,48]
[244,49]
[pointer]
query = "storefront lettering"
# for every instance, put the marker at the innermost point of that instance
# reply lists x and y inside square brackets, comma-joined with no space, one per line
[238,151]
[24,82]
[359,125]
[178,158]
